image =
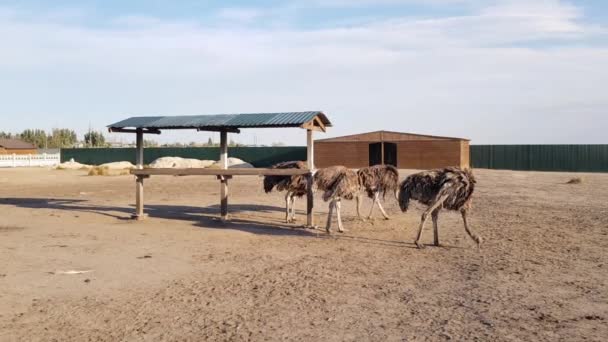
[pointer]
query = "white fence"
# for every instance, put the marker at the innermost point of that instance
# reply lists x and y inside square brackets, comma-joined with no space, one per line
[29,160]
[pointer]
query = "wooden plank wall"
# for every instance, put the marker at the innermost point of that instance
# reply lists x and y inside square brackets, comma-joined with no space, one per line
[413,154]
[425,155]
[465,154]
[349,154]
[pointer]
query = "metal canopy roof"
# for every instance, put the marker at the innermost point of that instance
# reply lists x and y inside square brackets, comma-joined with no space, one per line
[218,122]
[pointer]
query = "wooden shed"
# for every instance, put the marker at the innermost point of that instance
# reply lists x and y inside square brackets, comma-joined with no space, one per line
[403,150]
[16,146]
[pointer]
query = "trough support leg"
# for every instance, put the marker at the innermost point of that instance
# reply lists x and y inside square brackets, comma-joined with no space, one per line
[224,198]
[224,179]
[139,199]
[139,181]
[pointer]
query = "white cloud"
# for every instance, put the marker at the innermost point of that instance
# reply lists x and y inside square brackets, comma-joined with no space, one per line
[455,76]
[240,15]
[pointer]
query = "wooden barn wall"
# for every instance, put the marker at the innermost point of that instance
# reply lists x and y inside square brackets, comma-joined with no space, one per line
[428,154]
[415,154]
[349,154]
[386,136]
[465,154]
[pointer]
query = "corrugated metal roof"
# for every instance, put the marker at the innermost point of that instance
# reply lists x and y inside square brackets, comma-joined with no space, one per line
[16,144]
[218,121]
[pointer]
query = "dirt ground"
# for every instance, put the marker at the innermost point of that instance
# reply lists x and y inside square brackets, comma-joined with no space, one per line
[182,275]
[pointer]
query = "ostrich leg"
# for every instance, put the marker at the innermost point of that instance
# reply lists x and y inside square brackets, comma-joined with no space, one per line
[437,204]
[338,213]
[287,203]
[435,217]
[377,196]
[329,215]
[358,198]
[473,236]
[293,208]
[371,211]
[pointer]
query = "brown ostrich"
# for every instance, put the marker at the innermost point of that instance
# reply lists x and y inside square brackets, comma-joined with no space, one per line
[337,183]
[295,186]
[376,180]
[449,188]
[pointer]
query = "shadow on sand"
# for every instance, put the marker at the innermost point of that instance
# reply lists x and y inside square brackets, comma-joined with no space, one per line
[204,217]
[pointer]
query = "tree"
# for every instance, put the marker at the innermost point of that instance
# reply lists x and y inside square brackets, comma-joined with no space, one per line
[6,135]
[209,142]
[95,139]
[62,137]
[150,143]
[36,137]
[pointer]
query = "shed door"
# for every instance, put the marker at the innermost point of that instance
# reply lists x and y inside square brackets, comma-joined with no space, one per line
[390,154]
[375,154]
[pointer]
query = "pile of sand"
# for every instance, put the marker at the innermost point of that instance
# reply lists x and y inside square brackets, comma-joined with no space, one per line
[123,165]
[72,165]
[233,163]
[180,163]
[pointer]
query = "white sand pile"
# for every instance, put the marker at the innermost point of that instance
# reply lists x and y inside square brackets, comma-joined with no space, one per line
[72,165]
[180,163]
[123,165]
[234,163]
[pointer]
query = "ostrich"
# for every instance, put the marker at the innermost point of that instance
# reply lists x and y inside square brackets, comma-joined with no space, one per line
[376,180]
[449,188]
[294,185]
[337,183]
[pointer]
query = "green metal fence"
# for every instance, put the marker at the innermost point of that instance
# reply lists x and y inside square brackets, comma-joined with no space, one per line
[573,158]
[258,156]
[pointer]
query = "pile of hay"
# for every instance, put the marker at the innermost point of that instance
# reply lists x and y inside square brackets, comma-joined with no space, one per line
[72,165]
[106,171]
[180,163]
[233,163]
[112,169]
[123,165]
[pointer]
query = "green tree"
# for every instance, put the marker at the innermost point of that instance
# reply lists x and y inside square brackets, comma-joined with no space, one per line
[62,138]
[150,143]
[36,137]
[95,139]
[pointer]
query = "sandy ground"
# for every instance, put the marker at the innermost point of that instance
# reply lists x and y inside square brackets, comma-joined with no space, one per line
[542,274]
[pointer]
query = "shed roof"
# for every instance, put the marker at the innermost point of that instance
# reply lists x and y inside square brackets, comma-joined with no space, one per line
[217,122]
[378,136]
[16,144]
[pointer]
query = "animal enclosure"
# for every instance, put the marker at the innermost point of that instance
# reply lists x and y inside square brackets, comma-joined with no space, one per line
[261,279]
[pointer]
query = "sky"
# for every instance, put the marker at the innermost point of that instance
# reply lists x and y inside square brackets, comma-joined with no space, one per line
[496,72]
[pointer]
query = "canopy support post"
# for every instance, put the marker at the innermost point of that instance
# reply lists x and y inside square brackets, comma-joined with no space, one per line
[310,161]
[224,179]
[139,182]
